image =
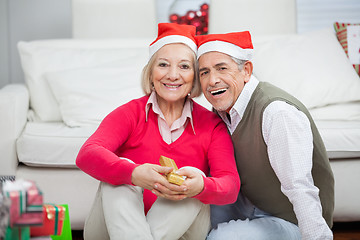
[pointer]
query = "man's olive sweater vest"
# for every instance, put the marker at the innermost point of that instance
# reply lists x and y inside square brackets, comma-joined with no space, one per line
[259,182]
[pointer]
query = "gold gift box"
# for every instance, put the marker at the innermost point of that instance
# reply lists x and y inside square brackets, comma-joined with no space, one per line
[171,177]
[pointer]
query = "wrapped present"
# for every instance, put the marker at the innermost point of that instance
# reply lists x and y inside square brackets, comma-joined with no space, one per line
[66,230]
[26,202]
[54,216]
[4,214]
[17,233]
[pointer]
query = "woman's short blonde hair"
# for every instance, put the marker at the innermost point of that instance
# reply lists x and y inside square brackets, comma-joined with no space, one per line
[146,81]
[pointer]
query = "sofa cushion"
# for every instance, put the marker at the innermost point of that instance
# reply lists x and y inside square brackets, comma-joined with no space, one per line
[51,144]
[43,56]
[57,145]
[313,67]
[350,44]
[86,96]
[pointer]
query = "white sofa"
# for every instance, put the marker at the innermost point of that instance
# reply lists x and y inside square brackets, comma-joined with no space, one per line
[71,85]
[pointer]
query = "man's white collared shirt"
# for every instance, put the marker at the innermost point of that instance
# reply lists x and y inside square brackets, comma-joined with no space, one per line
[288,136]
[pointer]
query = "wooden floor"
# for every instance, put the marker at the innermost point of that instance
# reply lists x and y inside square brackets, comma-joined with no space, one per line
[342,231]
[77,235]
[346,231]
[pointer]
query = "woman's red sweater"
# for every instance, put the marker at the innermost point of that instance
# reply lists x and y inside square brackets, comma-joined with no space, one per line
[126,133]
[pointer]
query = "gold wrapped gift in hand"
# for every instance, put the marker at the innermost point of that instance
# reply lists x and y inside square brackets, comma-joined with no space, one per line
[171,177]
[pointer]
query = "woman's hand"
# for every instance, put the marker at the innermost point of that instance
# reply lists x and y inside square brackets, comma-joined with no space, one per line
[148,175]
[193,185]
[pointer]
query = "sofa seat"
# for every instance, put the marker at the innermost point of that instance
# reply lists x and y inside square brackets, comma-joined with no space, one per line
[341,138]
[51,144]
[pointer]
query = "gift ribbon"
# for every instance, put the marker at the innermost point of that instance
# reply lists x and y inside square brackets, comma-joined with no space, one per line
[33,205]
[56,219]
[22,202]
[56,215]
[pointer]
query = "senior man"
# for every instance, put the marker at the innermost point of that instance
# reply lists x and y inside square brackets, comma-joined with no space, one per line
[287,187]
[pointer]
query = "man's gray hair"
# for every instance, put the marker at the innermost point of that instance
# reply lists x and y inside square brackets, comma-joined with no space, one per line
[239,62]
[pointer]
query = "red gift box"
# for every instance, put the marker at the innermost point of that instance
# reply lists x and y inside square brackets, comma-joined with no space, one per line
[26,203]
[53,216]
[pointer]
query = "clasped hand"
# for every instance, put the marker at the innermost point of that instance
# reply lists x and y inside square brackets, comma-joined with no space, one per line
[152,177]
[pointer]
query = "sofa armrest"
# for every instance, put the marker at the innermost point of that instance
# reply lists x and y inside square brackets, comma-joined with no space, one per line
[14,106]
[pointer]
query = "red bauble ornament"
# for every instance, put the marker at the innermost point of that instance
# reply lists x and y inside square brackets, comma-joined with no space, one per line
[174,18]
[196,22]
[204,6]
[183,20]
[198,18]
[190,15]
[200,13]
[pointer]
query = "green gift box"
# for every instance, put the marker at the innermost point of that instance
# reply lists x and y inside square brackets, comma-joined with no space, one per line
[66,231]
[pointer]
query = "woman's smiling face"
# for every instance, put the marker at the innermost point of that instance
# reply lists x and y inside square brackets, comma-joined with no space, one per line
[173,73]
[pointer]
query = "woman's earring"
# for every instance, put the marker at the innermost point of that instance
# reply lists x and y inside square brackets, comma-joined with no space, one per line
[192,88]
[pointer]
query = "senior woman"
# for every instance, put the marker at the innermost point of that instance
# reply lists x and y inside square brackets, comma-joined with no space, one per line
[134,199]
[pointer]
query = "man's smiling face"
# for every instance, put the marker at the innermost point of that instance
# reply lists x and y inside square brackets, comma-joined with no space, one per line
[221,80]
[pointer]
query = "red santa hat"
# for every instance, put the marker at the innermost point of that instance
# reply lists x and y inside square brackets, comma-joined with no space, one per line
[236,44]
[173,33]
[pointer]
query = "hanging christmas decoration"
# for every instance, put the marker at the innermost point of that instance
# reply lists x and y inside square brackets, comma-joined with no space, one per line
[196,17]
